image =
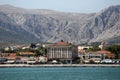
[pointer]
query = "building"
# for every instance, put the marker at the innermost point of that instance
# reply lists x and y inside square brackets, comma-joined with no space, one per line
[26,54]
[62,51]
[95,56]
[83,47]
[108,54]
[88,56]
[102,45]
[11,58]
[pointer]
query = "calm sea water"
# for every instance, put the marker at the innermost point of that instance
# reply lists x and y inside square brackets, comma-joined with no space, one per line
[61,73]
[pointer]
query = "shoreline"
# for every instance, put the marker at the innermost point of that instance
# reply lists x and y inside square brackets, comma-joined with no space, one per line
[56,65]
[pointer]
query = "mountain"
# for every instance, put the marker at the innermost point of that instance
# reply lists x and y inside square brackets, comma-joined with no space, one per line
[18,25]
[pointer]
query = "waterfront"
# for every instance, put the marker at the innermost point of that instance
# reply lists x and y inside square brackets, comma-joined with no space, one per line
[60,73]
[57,65]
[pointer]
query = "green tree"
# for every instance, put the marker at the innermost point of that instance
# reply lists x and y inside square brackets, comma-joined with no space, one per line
[114,49]
[17,53]
[94,48]
[41,51]
[32,45]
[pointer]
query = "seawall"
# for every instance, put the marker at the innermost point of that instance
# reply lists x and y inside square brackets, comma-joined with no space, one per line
[58,65]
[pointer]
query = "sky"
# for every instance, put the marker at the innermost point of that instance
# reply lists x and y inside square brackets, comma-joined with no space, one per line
[80,6]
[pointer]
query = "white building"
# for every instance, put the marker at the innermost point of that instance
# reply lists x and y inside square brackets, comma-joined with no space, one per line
[84,47]
[88,56]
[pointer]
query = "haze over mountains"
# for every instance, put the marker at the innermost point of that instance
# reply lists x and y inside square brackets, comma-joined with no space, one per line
[18,25]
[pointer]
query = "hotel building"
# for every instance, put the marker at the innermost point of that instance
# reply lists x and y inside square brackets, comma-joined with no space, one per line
[63,51]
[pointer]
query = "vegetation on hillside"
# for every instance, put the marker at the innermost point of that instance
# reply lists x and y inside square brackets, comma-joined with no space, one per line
[114,49]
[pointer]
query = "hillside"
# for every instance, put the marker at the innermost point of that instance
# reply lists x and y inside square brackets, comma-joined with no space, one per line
[19,25]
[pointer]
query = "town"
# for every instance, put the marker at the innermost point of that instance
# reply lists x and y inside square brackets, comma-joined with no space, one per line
[60,53]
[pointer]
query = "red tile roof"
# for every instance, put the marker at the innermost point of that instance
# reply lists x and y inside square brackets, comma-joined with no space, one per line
[62,43]
[12,56]
[108,53]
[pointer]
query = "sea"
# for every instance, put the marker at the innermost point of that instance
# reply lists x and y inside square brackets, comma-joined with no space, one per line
[61,73]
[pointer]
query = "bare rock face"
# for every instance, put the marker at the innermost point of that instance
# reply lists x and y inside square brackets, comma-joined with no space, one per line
[23,25]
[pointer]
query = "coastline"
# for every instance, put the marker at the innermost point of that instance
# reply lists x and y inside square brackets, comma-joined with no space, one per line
[56,65]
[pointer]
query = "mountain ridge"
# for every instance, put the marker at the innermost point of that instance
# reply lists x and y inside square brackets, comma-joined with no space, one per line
[52,26]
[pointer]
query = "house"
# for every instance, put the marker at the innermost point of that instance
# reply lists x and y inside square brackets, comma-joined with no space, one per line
[11,58]
[42,59]
[46,44]
[108,54]
[27,54]
[95,56]
[24,60]
[62,51]
[88,56]
[83,47]
[12,48]
[31,60]
[6,48]
[4,54]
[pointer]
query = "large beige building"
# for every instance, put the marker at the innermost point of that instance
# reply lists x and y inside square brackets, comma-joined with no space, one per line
[61,51]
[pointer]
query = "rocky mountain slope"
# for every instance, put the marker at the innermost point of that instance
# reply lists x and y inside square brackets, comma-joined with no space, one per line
[19,25]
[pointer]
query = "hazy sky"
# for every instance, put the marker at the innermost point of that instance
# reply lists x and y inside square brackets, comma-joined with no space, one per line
[83,6]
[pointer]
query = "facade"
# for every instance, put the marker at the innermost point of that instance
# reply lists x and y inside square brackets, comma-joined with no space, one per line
[95,56]
[88,56]
[27,54]
[61,51]
[84,47]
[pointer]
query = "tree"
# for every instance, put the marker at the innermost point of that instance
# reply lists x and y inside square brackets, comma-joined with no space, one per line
[94,48]
[114,49]
[32,45]
[17,53]
[41,51]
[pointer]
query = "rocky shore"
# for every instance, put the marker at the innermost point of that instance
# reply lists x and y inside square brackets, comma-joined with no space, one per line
[58,65]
